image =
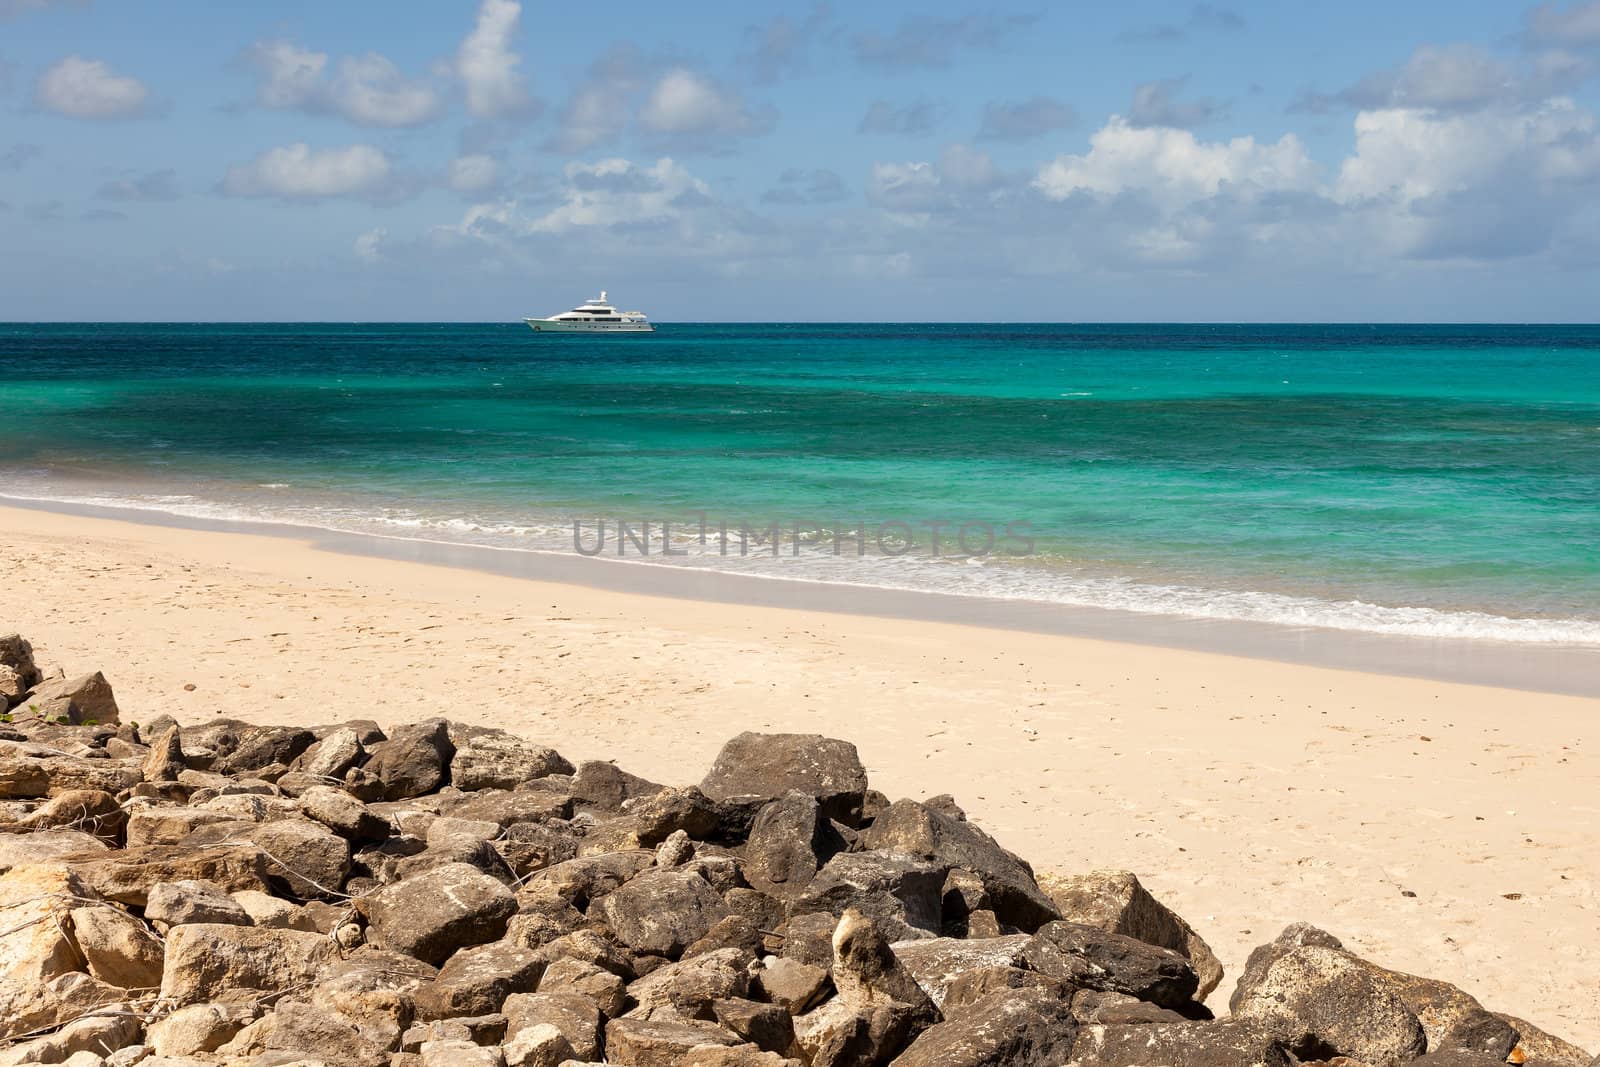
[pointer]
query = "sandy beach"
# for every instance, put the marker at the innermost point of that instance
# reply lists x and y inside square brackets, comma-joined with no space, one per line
[1439,828]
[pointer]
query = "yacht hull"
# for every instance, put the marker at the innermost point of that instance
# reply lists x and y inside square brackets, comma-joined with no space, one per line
[570,326]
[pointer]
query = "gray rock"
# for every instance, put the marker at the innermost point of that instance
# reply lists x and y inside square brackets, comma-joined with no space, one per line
[193,901]
[206,961]
[17,654]
[1008,1028]
[310,858]
[789,842]
[574,1015]
[1093,959]
[435,913]
[165,760]
[766,1026]
[901,892]
[494,759]
[332,756]
[663,912]
[198,1028]
[415,760]
[126,875]
[670,810]
[262,746]
[767,766]
[937,963]
[477,980]
[1227,1043]
[660,1043]
[343,814]
[602,785]
[84,699]
[689,988]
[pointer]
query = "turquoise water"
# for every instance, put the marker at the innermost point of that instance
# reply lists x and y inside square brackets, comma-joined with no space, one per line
[1426,480]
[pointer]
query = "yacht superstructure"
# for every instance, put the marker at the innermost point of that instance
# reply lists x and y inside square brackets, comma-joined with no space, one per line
[593,316]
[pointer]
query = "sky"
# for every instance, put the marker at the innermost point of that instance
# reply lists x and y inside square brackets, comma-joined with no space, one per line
[483,160]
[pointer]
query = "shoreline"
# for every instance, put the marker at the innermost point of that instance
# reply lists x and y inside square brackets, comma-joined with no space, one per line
[1437,828]
[1572,670]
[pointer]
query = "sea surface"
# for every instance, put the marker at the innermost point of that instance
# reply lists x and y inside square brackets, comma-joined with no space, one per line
[1437,481]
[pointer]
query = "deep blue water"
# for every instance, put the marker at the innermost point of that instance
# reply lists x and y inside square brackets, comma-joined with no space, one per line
[1430,479]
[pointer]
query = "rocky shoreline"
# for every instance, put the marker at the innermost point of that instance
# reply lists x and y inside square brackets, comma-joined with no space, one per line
[441,894]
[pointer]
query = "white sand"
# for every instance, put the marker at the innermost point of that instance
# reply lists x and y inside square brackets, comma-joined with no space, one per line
[1246,793]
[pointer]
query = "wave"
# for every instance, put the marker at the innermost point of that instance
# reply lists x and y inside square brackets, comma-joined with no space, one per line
[990,578]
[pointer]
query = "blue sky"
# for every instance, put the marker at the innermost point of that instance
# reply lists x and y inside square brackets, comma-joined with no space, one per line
[485,159]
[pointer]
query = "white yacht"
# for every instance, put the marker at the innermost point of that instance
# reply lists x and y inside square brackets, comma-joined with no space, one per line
[594,316]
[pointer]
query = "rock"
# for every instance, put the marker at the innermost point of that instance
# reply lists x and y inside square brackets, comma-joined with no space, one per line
[689,988]
[1313,995]
[126,876]
[540,1045]
[332,756]
[12,688]
[1093,959]
[415,760]
[662,912]
[308,1035]
[766,1026]
[659,1043]
[735,1056]
[1008,1028]
[574,1015]
[789,842]
[973,986]
[1227,1043]
[207,960]
[494,759]
[1115,902]
[451,1053]
[36,903]
[794,986]
[936,963]
[606,786]
[900,891]
[84,699]
[586,879]
[374,990]
[165,760]
[198,1028]
[343,814]
[168,824]
[879,1006]
[89,810]
[309,857]
[17,850]
[660,814]
[507,807]
[477,981]
[22,777]
[119,949]
[1534,1044]
[1099,1006]
[435,913]
[262,746]
[767,766]
[78,1043]
[920,831]
[675,851]
[17,655]
[191,901]
[272,912]
[603,988]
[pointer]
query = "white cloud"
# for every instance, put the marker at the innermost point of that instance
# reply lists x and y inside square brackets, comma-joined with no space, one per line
[291,76]
[369,90]
[1174,167]
[1449,77]
[474,173]
[368,246]
[487,64]
[617,192]
[298,172]
[89,89]
[602,104]
[689,106]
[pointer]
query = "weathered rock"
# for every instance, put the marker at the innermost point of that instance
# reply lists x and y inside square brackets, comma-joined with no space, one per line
[879,1006]
[795,986]
[1008,1028]
[272,912]
[574,1015]
[766,1026]
[198,1028]
[477,980]
[1534,1044]
[601,987]
[735,1056]
[1093,959]
[165,760]
[126,875]
[920,831]
[22,777]
[937,963]
[169,824]
[540,1045]
[602,785]
[1318,998]
[768,766]
[374,990]
[208,961]
[36,903]
[187,901]
[689,988]
[17,850]
[789,842]
[17,654]
[306,1034]
[263,746]
[1115,901]
[659,1043]
[414,760]
[78,1043]
[307,856]
[494,759]
[1099,1006]
[119,949]
[972,986]
[343,814]
[332,756]
[89,810]
[84,699]
[508,807]
[662,912]
[435,913]
[1227,1043]
[660,814]
[899,891]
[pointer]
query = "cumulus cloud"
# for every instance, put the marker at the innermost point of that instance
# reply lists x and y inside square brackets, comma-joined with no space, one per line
[928,41]
[487,64]
[299,172]
[1156,104]
[799,186]
[601,106]
[961,182]
[369,89]
[1203,18]
[1451,77]
[474,173]
[83,88]
[691,110]
[781,46]
[916,119]
[1023,120]
[156,185]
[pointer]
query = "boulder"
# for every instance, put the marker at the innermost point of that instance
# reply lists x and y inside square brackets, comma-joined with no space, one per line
[936,963]
[767,766]
[789,842]
[1088,958]
[477,981]
[35,948]
[310,858]
[198,1028]
[574,1015]
[17,655]
[735,1056]
[1535,1044]
[303,1033]
[879,1006]
[1227,1043]
[660,1042]
[167,824]
[165,760]
[1007,1028]
[792,985]
[1115,901]
[22,777]
[602,785]
[918,830]
[540,1045]
[119,949]
[205,961]
[126,875]
[272,912]
[79,1043]
[661,814]
[262,746]
[414,761]
[689,988]
[18,850]
[171,904]
[89,810]
[972,986]
[662,912]
[766,1026]
[432,915]
[343,814]
[584,880]
[332,756]
[602,988]
[494,759]
[900,891]
[84,699]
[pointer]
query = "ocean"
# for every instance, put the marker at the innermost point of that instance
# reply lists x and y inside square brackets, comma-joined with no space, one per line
[1436,481]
